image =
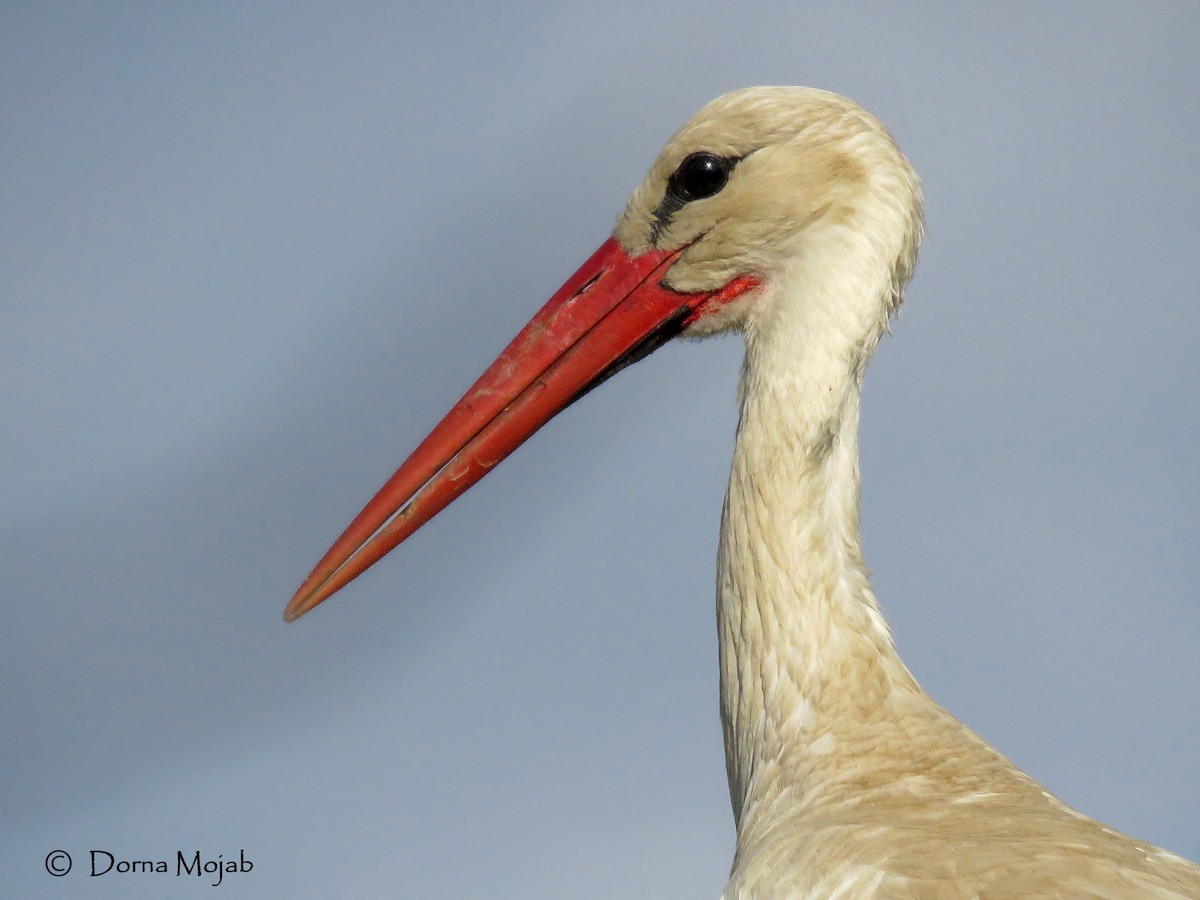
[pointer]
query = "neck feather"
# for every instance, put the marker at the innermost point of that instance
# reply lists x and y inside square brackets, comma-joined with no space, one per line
[803,647]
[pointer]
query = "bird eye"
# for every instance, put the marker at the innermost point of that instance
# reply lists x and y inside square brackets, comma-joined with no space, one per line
[701,175]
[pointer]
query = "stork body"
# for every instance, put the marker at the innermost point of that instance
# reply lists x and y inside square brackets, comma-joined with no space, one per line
[788,214]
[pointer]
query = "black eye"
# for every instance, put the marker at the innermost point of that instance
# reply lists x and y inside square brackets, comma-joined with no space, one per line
[700,175]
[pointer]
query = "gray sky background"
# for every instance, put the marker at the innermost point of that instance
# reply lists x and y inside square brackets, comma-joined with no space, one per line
[250,253]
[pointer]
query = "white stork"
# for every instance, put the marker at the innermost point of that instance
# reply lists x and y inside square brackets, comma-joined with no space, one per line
[788,214]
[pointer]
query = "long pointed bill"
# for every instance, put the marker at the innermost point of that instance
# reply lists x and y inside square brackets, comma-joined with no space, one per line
[612,312]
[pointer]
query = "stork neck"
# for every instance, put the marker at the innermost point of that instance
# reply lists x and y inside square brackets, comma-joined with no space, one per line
[803,647]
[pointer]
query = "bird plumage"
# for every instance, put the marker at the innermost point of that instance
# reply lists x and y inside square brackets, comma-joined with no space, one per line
[846,778]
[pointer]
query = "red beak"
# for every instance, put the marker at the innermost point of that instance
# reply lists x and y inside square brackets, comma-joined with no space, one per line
[611,313]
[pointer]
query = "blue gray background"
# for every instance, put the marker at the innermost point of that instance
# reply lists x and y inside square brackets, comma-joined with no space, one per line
[250,253]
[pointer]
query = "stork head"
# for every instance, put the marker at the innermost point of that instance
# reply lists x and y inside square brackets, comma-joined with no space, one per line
[765,178]
[759,187]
